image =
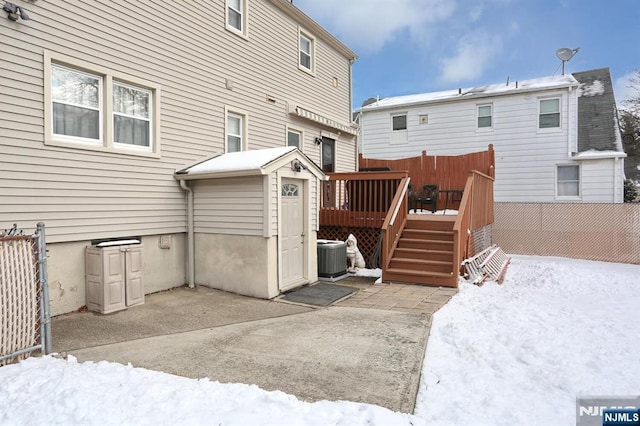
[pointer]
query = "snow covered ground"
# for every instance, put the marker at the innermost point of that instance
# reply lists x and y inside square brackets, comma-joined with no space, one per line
[511,354]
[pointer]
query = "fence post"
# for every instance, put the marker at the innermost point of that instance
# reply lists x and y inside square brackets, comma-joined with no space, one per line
[45,313]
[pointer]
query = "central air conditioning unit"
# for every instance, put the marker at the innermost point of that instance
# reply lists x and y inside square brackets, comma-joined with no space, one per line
[332,260]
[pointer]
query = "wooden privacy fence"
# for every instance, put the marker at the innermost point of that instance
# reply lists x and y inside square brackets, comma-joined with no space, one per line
[449,172]
[24,299]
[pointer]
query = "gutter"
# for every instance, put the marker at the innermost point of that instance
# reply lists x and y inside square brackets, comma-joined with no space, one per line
[191,261]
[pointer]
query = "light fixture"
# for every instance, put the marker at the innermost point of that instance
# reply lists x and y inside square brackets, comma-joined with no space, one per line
[14,12]
[297,166]
[565,54]
[318,140]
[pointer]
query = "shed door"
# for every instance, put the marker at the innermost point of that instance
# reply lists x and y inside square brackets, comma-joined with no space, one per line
[292,232]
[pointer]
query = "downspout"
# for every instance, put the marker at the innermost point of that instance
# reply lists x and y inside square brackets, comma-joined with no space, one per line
[191,261]
[351,62]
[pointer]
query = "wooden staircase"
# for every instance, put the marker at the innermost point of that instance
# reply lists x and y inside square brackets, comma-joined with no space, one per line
[425,252]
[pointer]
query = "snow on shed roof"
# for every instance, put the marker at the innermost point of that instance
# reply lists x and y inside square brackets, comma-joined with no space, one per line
[479,91]
[242,161]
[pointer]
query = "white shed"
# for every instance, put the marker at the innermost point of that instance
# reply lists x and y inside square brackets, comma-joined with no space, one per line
[253,221]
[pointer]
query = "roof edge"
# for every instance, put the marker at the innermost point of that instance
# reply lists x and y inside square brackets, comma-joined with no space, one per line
[292,11]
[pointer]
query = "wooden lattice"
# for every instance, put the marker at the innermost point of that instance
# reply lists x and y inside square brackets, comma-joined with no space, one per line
[367,239]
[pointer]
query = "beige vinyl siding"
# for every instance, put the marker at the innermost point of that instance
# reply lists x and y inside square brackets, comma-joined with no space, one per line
[189,56]
[229,206]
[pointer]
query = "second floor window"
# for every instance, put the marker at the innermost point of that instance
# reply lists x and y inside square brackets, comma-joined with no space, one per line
[484,116]
[235,14]
[235,125]
[399,122]
[549,113]
[306,52]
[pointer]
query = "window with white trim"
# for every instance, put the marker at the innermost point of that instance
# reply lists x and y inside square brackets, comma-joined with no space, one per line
[237,16]
[306,46]
[79,116]
[131,115]
[485,116]
[294,138]
[549,114]
[76,104]
[568,180]
[235,132]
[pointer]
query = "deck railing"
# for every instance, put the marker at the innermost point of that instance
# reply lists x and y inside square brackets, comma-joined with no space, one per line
[394,222]
[359,200]
[476,211]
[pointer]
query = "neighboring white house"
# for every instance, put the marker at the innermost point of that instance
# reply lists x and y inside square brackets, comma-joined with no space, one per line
[556,139]
[102,101]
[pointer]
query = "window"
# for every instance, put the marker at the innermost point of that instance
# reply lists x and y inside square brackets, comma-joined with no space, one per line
[568,181]
[237,17]
[399,122]
[93,108]
[306,47]
[328,155]
[549,113]
[294,138]
[234,132]
[131,115]
[76,104]
[484,116]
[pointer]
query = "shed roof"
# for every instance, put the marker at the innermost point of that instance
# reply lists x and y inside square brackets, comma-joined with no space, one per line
[536,84]
[243,163]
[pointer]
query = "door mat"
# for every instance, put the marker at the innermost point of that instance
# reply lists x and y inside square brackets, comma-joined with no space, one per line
[321,294]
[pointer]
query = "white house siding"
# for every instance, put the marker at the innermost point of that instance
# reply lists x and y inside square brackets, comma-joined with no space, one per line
[232,206]
[600,181]
[525,157]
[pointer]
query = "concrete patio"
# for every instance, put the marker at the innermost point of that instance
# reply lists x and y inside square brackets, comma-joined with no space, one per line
[367,348]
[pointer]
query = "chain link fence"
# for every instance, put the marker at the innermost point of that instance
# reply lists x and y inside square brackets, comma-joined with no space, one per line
[25,319]
[604,232]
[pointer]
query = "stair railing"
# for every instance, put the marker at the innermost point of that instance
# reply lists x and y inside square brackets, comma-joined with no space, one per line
[394,223]
[476,211]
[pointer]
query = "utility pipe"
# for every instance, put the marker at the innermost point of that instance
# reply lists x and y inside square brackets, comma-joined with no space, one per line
[191,261]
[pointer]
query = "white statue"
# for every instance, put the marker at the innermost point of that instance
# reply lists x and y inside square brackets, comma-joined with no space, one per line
[354,257]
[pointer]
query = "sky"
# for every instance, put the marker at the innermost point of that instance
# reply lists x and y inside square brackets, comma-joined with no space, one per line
[418,46]
[515,353]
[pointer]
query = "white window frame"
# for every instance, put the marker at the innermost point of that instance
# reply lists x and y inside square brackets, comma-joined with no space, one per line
[300,134]
[399,136]
[555,128]
[557,182]
[149,119]
[312,51]
[244,13]
[234,112]
[107,77]
[478,117]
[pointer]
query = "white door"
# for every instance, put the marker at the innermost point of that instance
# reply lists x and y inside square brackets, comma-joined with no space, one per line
[292,232]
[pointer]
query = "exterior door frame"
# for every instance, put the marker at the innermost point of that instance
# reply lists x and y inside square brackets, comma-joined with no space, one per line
[305,180]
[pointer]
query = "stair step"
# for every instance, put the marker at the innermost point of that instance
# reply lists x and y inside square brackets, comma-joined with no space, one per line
[423,244]
[427,234]
[420,277]
[432,222]
[422,265]
[413,253]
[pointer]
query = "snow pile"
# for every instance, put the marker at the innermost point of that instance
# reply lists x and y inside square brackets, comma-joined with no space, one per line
[521,352]
[52,391]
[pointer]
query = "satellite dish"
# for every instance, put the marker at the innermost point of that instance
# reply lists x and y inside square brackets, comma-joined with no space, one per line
[564,53]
